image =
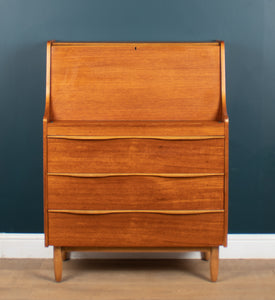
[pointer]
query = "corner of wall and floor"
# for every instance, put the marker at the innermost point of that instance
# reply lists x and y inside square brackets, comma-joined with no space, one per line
[240,246]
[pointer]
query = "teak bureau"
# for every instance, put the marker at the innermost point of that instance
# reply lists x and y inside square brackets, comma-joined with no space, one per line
[135,148]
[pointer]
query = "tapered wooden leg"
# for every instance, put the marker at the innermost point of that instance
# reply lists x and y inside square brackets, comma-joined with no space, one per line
[205,255]
[58,263]
[65,255]
[214,263]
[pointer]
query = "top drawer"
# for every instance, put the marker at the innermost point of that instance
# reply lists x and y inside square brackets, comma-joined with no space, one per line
[135,155]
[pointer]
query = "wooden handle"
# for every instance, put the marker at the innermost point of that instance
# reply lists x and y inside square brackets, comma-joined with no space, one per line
[168,175]
[165,138]
[163,212]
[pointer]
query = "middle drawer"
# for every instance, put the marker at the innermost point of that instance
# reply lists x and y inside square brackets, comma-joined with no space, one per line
[135,193]
[135,155]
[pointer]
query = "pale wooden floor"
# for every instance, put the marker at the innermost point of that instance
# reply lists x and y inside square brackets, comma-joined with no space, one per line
[136,279]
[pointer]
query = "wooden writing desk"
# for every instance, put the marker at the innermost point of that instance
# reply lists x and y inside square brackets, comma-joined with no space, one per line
[135,148]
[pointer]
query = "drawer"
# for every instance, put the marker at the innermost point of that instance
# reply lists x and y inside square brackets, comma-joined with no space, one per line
[135,156]
[136,230]
[135,192]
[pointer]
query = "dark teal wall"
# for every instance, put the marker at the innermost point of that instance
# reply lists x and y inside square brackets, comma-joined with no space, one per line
[247,27]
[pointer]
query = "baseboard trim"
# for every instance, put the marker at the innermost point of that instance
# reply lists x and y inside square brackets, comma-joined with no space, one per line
[240,246]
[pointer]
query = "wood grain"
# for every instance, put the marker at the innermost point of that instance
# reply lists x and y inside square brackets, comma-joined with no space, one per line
[226,141]
[137,211]
[136,230]
[46,119]
[137,156]
[135,142]
[126,44]
[165,175]
[48,83]
[137,249]
[57,263]
[135,82]
[214,263]
[45,180]
[136,128]
[223,85]
[135,192]
[119,137]
[134,279]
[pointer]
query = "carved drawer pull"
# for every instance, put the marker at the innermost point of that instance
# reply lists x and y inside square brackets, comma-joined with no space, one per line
[168,175]
[164,212]
[172,138]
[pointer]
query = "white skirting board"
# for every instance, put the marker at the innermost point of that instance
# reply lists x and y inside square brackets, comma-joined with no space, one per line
[240,246]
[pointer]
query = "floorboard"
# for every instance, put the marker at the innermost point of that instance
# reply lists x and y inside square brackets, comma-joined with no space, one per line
[136,279]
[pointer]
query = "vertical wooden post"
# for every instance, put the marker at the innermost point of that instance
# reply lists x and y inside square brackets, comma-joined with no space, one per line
[205,255]
[65,255]
[58,263]
[214,263]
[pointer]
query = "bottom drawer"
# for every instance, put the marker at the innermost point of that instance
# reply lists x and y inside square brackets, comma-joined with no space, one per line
[136,229]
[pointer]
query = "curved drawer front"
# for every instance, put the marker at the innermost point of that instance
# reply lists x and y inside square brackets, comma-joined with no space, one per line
[135,192]
[136,230]
[136,156]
